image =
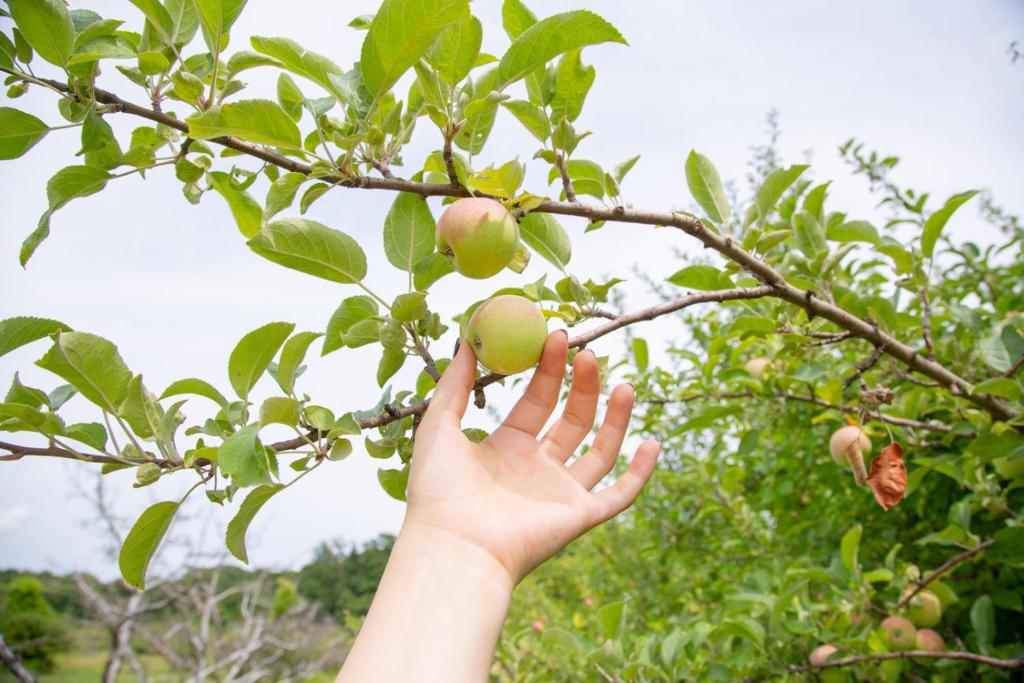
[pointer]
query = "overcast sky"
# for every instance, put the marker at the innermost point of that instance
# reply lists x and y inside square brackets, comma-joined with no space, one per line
[175,287]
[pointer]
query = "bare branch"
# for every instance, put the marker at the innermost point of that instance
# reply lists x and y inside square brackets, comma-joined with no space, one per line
[943,568]
[11,661]
[851,410]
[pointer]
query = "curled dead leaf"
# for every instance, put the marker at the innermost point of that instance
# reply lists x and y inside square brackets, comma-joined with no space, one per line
[888,477]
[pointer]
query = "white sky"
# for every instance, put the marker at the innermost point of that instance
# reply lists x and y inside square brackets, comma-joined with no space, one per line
[175,287]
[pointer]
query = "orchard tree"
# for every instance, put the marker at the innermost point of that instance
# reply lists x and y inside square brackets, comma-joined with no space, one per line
[826,350]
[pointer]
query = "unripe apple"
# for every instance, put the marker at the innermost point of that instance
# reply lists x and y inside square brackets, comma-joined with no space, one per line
[757,366]
[925,609]
[1009,469]
[820,656]
[929,640]
[892,669]
[902,633]
[478,235]
[507,334]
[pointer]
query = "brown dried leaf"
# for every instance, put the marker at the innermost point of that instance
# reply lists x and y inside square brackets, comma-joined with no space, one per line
[888,477]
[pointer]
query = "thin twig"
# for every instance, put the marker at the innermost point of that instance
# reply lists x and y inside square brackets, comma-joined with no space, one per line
[570,192]
[1016,366]
[863,367]
[943,568]
[926,323]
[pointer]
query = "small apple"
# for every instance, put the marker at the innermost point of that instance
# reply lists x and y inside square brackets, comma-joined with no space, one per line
[478,235]
[902,633]
[1009,469]
[757,366]
[929,641]
[507,333]
[925,609]
[846,438]
[537,625]
[821,654]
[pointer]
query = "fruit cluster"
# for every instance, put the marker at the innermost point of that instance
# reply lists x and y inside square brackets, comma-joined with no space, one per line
[481,238]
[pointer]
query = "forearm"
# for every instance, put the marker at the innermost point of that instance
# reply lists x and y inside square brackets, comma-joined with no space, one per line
[436,616]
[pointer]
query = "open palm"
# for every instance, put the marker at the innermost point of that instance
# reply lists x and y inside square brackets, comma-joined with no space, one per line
[513,494]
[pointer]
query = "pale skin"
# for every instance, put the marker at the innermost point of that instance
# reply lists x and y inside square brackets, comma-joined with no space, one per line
[482,516]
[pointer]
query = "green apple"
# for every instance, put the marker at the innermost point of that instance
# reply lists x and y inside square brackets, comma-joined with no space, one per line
[507,333]
[902,633]
[924,609]
[478,235]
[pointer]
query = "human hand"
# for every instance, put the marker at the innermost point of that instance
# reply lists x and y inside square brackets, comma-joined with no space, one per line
[513,495]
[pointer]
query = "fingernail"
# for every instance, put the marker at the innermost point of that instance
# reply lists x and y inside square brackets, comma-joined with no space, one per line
[564,332]
[458,342]
[631,386]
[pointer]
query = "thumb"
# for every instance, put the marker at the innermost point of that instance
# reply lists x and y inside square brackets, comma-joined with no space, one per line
[448,404]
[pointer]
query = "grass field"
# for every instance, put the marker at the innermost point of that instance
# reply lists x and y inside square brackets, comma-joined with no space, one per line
[82,667]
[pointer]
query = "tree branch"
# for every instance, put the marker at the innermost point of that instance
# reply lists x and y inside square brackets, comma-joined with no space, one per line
[852,410]
[926,323]
[17,452]
[723,244]
[11,661]
[923,654]
[943,568]
[570,192]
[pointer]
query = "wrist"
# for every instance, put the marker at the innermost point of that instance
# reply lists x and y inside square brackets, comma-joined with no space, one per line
[457,557]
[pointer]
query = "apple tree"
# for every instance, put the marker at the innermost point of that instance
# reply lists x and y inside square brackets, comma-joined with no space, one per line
[755,546]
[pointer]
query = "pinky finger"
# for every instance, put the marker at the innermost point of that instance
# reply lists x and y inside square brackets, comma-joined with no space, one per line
[611,501]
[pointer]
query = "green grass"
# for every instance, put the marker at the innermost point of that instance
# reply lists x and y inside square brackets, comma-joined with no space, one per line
[87,667]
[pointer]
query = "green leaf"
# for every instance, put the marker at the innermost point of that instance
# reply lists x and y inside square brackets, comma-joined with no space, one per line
[612,617]
[701,277]
[854,231]
[92,365]
[848,548]
[216,18]
[197,387]
[430,269]
[394,482]
[243,458]
[983,619]
[999,386]
[312,248]
[18,331]
[706,187]
[391,362]
[546,236]
[454,52]
[303,62]
[246,210]
[411,306]
[640,354]
[253,354]
[292,354]
[516,18]
[409,231]
[239,524]
[261,121]
[351,311]
[1002,348]
[66,184]
[773,187]
[19,132]
[550,37]
[280,410]
[282,193]
[401,33]
[573,80]
[142,541]
[47,26]
[532,117]
[810,235]
[341,449]
[937,221]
